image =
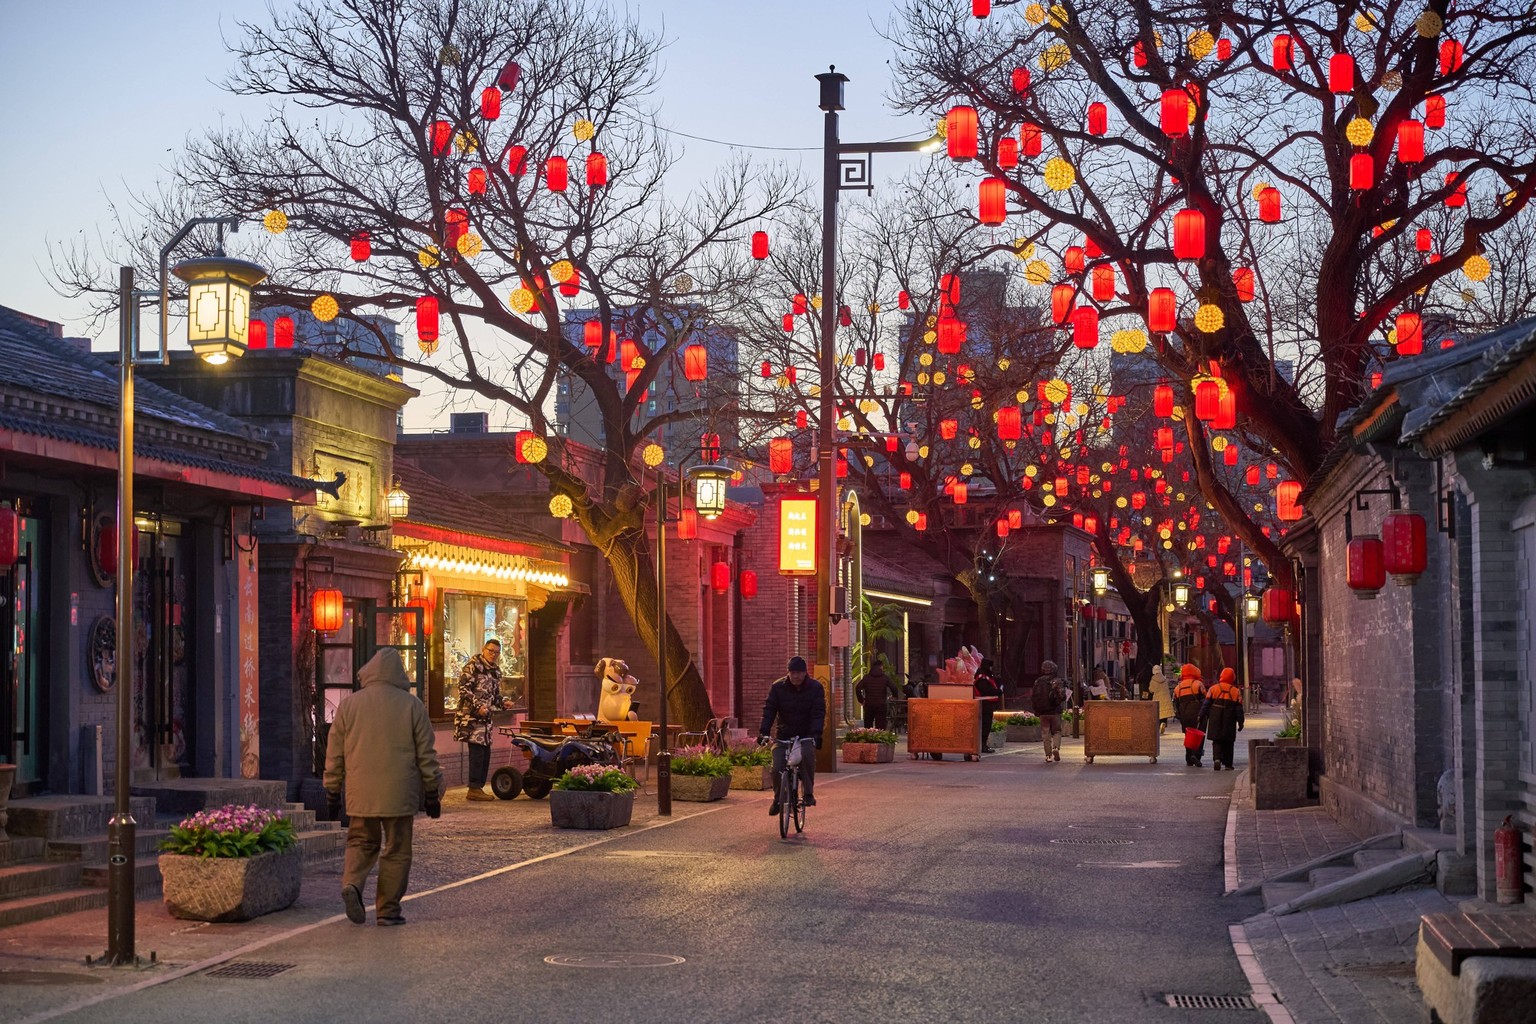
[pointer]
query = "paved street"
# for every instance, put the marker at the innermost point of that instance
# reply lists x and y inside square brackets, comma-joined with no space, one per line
[921,891]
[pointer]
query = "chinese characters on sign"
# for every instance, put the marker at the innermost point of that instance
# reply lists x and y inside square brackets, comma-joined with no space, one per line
[797,537]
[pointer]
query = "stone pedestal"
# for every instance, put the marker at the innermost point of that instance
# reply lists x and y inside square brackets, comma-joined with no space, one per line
[573,808]
[751,777]
[700,788]
[868,753]
[230,888]
[1280,778]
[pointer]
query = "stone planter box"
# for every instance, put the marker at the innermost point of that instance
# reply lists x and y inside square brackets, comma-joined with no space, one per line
[230,888]
[590,810]
[700,788]
[1023,734]
[998,740]
[753,777]
[868,753]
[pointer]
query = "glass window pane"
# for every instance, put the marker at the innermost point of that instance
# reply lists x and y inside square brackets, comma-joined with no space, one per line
[471,619]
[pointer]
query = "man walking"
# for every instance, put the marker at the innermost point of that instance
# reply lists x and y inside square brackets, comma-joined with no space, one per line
[479,695]
[873,692]
[380,753]
[1222,717]
[1046,700]
[800,705]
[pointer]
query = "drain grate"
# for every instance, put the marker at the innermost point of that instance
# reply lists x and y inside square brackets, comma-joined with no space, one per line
[614,960]
[1093,841]
[1203,1002]
[251,970]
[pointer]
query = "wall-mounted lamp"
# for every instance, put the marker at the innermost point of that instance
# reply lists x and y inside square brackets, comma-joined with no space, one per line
[397,502]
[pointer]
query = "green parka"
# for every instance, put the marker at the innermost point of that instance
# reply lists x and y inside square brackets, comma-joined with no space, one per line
[380,749]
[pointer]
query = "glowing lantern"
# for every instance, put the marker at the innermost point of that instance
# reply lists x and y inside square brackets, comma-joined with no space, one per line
[1287,509]
[1226,416]
[801,417]
[904,481]
[1103,283]
[789,325]
[282,332]
[903,300]
[961,493]
[1223,49]
[1434,112]
[1423,240]
[1229,456]
[688,524]
[1074,260]
[325,609]
[1341,73]
[1162,307]
[1162,401]
[1002,528]
[1269,204]
[1366,567]
[1030,138]
[879,360]
[1243,282]
[1207,398]
[1007,152]
[476,181]
[1362,172]
[748,582]
[517,161]
[1009,426]
[490,103]
[10,536]
[921,522]
[960,133]
[556,173]
[1278,608]
[781,456]
[1458,196]
[1410,334]
[1020,81]
[361,247]
[948,429]
[592,333]
[798,304]
[1282,54]
[1410,142]
[1085,326]
[442,135]
[759,245]
[992,201]
[426,606]
[1451,55]
[720,577]
[1188,234]
[1405,554]
[951,335]
[1098,119]
[597,170]
[1173,114]
[256,334]
[1139,54]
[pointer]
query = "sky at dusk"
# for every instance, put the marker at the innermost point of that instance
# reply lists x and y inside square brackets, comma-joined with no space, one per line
[96,95]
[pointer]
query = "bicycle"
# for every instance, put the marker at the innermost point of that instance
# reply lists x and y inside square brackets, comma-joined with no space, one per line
[791,804]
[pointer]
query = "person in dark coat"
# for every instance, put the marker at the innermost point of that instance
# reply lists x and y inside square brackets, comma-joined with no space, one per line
[873,691]
[800,705]
[1188,697]
[1046,699]
[1222,718]
[990,694]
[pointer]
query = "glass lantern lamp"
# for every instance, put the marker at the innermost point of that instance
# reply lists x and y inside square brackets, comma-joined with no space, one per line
[709,483]
[1100,580]
[219,304]
[397,501]
[1181,593]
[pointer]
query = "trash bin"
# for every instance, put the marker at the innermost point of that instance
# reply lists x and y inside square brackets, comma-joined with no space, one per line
[1120,727]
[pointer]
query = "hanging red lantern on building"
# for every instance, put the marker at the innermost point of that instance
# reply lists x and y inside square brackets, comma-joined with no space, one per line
[720,577]
[695,362]
[282,332]
[1366,567]
[992,201]
[688,524]
[747,579]
[256,334]
[1098,119]
[1362,172]
[10,535]
[1269,204]
[1085,327]
[597,170]
[1162,311]
[1287,509]
[427,607]
[362,247]
[1030,138]
[1243,283]
[1277,607]
[1410,334]
[1405,553]
[326,607]
[960,133]
[759,245]
[1341,73]
[490,103]
[1189,234]
[556,173]
[1173,113]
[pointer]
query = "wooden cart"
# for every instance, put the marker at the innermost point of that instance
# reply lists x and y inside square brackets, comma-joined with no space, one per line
[1120,727]
[944,726]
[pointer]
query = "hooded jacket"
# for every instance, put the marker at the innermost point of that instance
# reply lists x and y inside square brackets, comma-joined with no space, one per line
[1222,714]
[1188,697]
[380,749]
[875,688]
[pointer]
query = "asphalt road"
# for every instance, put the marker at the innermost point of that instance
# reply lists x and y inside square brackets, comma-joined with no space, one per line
[1008,890]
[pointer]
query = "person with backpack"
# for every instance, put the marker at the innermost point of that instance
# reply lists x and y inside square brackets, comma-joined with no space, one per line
[1046,701]
[1188,697]
[1222,717]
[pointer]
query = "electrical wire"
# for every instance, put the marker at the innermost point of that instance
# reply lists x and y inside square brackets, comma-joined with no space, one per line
[743,145]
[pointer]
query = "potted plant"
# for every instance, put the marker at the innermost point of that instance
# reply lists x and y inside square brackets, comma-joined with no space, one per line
[869,746]
[699,774]
[231,863]
[751,766]
[592,796]
[999,735]
[1022,727]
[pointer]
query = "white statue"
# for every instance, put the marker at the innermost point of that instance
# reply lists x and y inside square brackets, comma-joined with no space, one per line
[616,689]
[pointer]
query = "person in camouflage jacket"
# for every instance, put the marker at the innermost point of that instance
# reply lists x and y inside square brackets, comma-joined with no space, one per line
[479,695]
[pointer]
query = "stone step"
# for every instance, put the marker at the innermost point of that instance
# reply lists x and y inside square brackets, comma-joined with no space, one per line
[181,797]
[1277,893]
[1323,876]
[22,880]
[1367,859]
[20,849]
[146,875]
[93,849]
[1426,840]
[36,908]
[60,817]
[322,844]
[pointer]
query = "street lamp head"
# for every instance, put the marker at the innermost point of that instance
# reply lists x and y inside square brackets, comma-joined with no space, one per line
[218,304]
[932,144]
[709,483]
[1251,607]
[1100,580]
[1181,593]
[831,88]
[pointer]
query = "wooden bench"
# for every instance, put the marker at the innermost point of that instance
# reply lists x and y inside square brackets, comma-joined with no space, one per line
[1453,938]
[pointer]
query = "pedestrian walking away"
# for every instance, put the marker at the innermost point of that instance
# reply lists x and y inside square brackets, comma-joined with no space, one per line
[874,692]
[381,760]
[1221,716]
[1161,690]
[479,695]
[1046,699]
[799,705]
[990,694]
[1188,697]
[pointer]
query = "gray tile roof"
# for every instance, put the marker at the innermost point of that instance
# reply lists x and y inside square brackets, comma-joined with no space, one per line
[1497,354]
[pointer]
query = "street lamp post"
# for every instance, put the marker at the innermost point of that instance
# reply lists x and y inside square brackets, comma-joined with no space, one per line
[836,157]
[218,317]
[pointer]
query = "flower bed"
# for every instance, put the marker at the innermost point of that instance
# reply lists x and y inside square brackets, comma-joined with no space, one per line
[231,863]
[869,746]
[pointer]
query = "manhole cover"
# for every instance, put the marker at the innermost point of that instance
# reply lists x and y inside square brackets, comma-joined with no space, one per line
[250,969]
[45,978]
[1203,1002]
[614,960]
[1093,841]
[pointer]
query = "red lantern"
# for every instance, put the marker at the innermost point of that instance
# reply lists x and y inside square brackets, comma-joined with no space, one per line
[781,456]
[10,536]
[556,173]
[1162,309]
[1269,205]
[922,522]
[1410,334]
[879,360]
[1282,57]
[1062,297]
[992,201]
[904,481]
[1366,566]
[1139,54]
[361,247]
[1423,240]
[628,351]
[1223,49]
[1229,455]
[1020,80]
[1098,119]
[1074,259]
[597,170]
[426,319]
[1251,476]
[1243,282]
[1410,142]
[1085,327]
[844,316]
[426,605]
[282,332]
[960,133]
[709,447]
[592,333]
[508,76]
[1162,400]
[1287,509]
[720,577]
[759,245]
[951,335]
[948,429]
[490,103]
[1103,282]
[1009,423]
[688,524]
[1174,113]
[1362,172]
[1207,398]
[789,325]
[1007,152]
[1341,73]
[903,300]
[1404,543]
[1434,112]
[695,362]
[442,135]
[798,304]
[325,610]
[1188,234]
[748,580]
[455,226]
[476,181]
[1015,519]
[256,334]
[519,440]
[961,493]
[802,419]
[517,161]
[767,369]
[1226,414]
[106,548]
[1458,196]
[1277,607]
[1451,55]
[1030,138]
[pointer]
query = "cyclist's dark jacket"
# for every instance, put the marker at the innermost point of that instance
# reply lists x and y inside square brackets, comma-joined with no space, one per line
[801,712]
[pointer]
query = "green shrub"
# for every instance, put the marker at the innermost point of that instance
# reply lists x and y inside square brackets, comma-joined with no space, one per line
[869,736]
[998,725]
[699,760]
[1021,719]
[748,755]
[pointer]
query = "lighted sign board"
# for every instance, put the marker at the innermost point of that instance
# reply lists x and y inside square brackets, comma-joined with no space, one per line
[797,537]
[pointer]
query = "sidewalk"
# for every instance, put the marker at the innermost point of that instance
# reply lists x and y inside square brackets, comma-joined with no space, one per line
[1350,964]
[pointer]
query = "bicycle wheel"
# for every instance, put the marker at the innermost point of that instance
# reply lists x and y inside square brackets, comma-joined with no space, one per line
[799,806]
[786,794]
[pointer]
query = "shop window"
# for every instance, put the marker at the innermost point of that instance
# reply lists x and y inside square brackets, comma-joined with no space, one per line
[469,620]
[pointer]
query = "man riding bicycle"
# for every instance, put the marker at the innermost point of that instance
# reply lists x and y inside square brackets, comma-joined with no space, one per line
[800,705]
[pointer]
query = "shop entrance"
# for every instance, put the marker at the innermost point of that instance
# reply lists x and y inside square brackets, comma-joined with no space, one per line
[365,629]
[163,716]
[23,716]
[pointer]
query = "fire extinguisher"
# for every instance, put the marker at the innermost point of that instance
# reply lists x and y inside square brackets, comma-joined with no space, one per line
[1508,867]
